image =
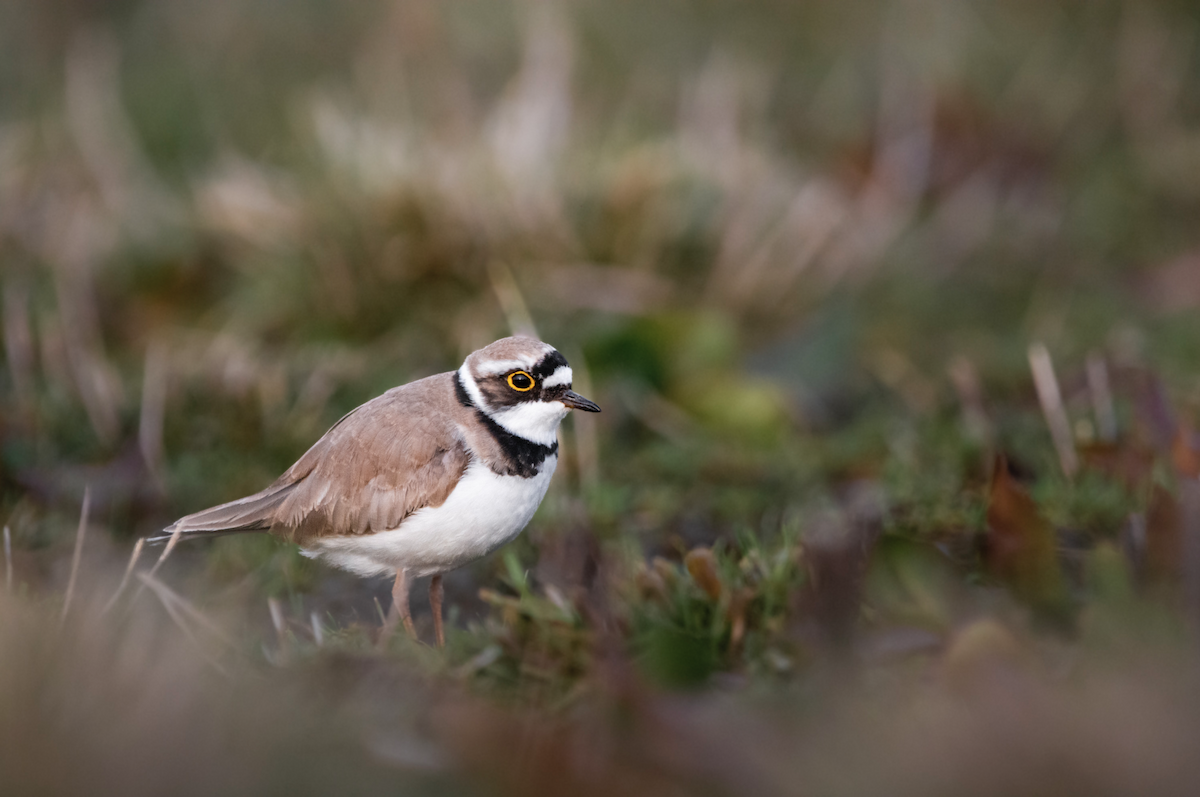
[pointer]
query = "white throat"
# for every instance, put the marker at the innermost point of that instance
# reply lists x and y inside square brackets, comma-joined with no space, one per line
[535,421]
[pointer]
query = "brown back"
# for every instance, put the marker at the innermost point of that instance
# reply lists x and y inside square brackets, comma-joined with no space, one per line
[395,454]
[398,453]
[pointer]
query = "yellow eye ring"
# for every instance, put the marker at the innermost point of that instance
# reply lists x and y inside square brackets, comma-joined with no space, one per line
[520,381]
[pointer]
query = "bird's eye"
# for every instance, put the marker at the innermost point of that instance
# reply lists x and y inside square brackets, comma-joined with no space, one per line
[519,380]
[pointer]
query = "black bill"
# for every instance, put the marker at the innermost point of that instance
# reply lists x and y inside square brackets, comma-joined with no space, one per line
[578,402]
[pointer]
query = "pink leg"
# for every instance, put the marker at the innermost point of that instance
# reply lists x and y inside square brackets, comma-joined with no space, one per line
[435,602]
[400,610]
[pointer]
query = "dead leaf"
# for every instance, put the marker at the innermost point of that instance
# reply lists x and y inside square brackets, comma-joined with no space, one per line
[737,616]
[1125,461]
[1184,455]
[651,585]
[1020,545]
[702,566]
[665,570]
[1164,539]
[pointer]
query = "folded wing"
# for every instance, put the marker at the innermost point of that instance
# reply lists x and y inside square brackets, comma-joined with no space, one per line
[375,467]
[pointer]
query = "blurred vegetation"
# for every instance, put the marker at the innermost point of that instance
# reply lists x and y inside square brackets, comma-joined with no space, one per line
[802,254]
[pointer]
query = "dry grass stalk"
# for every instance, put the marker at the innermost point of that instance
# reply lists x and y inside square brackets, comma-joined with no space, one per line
[318,631]
[1050,398]
[75,557]
[18,339]
[85,240]
[587,446]
[660,415]
[171,543]
[182,612]
[8,569]
[516,311]
[481,661]
[106,138]
[279,623]
[1102,400]
[162,557]
[154,399]
[529,126]
[133,560]
[965,379]
[276,610]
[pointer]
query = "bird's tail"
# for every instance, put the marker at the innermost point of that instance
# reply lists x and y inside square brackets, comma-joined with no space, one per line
[252,513]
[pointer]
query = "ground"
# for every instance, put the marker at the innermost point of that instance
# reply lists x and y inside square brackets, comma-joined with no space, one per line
[891,309]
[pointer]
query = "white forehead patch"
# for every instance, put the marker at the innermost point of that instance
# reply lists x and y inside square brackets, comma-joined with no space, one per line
[536,421]
[561,376]
[493,367]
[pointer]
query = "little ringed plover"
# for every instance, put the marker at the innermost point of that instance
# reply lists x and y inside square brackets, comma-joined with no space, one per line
[423,479]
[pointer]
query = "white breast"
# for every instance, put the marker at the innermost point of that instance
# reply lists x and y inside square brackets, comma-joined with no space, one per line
[483,512]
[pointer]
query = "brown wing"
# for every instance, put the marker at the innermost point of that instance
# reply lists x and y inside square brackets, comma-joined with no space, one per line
[385,460]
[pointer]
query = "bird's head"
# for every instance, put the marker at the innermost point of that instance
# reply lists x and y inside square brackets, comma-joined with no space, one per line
[522,384]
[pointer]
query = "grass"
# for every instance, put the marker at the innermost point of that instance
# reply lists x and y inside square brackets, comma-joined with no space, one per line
[798,253]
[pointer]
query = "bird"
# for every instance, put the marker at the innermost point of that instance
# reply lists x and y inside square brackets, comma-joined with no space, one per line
[425,478]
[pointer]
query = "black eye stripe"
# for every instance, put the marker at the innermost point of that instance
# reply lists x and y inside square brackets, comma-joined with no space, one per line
[549,364]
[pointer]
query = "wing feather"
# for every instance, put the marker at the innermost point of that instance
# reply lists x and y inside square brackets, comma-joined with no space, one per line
[392,456]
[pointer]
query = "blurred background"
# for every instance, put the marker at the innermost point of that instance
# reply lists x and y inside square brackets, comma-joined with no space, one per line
[891,308]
